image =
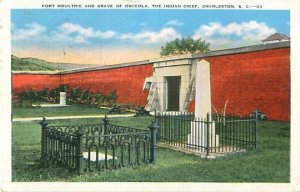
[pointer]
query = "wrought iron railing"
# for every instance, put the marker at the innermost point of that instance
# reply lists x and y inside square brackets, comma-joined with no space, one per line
[97,147]
[214,134]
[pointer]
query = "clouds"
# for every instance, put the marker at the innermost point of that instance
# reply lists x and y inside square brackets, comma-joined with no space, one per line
[30,31]
[152,37]
[174,23]
[75,33]
[243,33]
[238,29]
[217,34]
[82,34]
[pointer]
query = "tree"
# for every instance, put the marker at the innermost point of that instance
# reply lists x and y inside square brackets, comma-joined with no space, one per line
[184,46]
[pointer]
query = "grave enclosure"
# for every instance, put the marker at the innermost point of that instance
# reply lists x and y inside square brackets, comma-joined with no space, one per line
[214,136]
[97,147]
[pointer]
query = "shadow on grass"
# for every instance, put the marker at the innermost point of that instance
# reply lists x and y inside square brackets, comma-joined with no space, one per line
[171,167]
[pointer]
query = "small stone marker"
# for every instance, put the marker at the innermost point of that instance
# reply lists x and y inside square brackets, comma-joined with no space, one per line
[93,157]
[62,98]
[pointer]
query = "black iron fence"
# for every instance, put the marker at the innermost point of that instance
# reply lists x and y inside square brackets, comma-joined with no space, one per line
[97,147]
[214,134]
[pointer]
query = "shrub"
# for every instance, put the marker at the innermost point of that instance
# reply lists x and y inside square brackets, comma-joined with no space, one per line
[97,99]
[63,88]
[112,97]
[75,95]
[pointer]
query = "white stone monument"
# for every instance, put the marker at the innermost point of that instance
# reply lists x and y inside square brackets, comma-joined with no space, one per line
[62,98]
[198,134]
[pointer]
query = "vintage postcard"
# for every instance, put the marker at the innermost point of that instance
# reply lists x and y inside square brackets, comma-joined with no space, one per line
[140,95]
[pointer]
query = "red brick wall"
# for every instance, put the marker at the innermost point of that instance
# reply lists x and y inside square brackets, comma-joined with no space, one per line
[126,81]
[22,82]
[256,80]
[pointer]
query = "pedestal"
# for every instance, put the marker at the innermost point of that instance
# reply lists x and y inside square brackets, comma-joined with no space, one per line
[198,136]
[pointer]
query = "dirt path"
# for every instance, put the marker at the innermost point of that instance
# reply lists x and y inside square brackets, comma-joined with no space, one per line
[69,117]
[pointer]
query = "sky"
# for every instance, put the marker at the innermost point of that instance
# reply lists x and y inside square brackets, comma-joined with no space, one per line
[111,36]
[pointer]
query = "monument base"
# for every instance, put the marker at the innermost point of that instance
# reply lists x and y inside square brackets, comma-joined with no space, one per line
[198,136]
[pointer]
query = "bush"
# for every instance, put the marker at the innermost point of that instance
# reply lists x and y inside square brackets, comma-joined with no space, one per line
[112,97]
[75,96]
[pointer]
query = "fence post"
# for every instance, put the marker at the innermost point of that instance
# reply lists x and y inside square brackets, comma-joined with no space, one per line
[79,152]
[153,146]
[207,134]
[256,128]
[105,120]
[156,122]
[43,124]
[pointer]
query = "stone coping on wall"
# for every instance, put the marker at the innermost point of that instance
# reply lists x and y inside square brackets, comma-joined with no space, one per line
[175,62]
[155,61]
[38,72]
[170,58]
[253,48]
[129,64]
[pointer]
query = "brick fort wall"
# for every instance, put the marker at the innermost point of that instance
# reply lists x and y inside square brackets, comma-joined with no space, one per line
[248,81]
[126,81]
[22,82]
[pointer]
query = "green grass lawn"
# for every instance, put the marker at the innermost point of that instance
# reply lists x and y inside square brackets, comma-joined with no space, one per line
[57,111]
[270,163]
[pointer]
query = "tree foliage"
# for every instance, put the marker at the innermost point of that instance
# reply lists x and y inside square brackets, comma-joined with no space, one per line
[184,46]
